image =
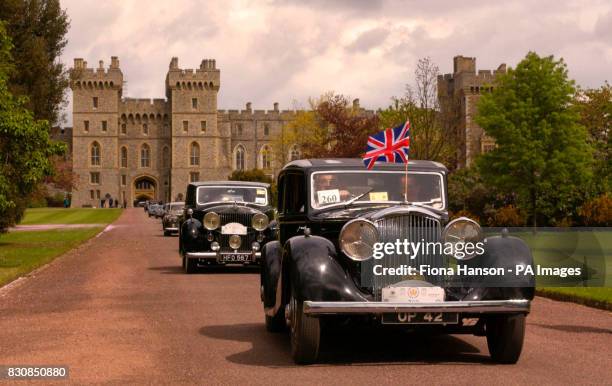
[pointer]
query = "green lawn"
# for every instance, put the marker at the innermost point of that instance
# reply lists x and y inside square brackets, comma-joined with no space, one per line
[22,252]
[574,248]
[35,216]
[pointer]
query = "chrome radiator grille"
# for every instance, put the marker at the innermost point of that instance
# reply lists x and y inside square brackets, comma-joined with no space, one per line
[414,228]
[241,218]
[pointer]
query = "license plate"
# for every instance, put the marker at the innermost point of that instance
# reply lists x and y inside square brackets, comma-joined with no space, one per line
[235,258]
[421,318]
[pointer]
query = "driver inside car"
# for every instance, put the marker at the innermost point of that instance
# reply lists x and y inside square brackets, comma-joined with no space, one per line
[326,182]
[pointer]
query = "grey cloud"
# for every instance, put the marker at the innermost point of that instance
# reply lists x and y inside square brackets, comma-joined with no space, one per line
[368,40]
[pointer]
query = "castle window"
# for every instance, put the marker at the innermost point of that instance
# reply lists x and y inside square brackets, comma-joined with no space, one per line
[94,177]
[95,102]
[104,126]
[266,129]
[185,126]
[203,126]
[194,154]
[92,194]
[95,154]
[98,194]
[294,153]
[194,103]
[124,157]
[239,128]
[123,180]
[86,125]
[265,157]
[239,158]
[166,157]
[145,156]
[194,177]
[145,129]
[123,128]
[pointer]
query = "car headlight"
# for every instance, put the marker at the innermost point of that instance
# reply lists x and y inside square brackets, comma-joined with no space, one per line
[357,239]
[235,241]
[459,232]
[260,222]
[211,221]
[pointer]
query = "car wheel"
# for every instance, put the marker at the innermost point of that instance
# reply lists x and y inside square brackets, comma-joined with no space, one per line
[183,262]
[190,265]
[505,335]
[305,333]
[166,233]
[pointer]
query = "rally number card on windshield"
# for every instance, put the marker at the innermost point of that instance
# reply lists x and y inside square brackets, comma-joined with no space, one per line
[331,196]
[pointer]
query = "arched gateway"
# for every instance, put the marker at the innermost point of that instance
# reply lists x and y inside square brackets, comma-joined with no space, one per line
[145,188]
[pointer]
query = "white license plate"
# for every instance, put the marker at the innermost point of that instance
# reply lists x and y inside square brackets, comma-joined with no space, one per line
[413,294]
[235,258]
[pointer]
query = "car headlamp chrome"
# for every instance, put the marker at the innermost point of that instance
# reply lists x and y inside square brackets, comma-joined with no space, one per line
[235,241]
[459,232]
[357,239]
[260,221]
[211,221]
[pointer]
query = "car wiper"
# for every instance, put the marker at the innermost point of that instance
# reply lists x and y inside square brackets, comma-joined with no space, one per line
[349,202]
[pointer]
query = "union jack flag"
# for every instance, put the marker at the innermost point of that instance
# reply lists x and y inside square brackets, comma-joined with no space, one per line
[391,145]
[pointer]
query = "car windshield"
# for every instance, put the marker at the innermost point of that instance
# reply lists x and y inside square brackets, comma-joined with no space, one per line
[331,188]
[245,194]
[177,207]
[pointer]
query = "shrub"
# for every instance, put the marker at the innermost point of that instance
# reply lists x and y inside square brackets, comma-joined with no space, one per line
[597,211]
[508,216]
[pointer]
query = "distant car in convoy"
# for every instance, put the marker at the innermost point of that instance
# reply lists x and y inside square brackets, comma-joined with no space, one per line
[331,215]
[225,222]
[170,220]
[152,209]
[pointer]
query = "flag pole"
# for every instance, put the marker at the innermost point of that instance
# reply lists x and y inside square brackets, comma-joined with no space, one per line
[406,183]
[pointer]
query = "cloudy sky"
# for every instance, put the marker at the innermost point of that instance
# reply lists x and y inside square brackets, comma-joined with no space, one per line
[289,50]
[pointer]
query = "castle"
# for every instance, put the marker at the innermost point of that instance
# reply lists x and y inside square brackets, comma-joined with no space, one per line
[458,95]
[132,149]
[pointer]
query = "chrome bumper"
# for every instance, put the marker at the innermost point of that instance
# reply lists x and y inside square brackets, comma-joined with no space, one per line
[171,229]
[477,307]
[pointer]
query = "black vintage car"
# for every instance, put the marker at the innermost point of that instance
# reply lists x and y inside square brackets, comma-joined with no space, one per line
[323,270]
[225,222]
[170,219]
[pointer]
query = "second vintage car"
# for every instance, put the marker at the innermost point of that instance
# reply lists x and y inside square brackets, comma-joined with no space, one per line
[170,220]
[225,222]
[327,266]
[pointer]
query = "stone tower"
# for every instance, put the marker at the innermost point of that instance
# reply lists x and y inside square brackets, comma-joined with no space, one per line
[96,101]
[197,144]
[458,94]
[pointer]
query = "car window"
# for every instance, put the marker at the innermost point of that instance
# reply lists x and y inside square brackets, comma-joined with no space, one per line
[337,187]
[294,193]
[248,194]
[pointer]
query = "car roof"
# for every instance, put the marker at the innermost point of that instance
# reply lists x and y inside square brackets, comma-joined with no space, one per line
[357,163]
[230,183]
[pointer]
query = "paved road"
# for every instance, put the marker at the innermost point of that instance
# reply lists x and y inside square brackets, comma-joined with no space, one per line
[119,309]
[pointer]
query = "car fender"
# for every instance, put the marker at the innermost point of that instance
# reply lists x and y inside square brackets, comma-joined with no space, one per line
[271,259]
[314,273]
[505,252]
[191,231]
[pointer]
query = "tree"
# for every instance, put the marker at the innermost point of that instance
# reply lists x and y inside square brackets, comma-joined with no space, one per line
[430,139]
[25,147]
[542,152]
[337,128]
[38,31]
[595,109]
